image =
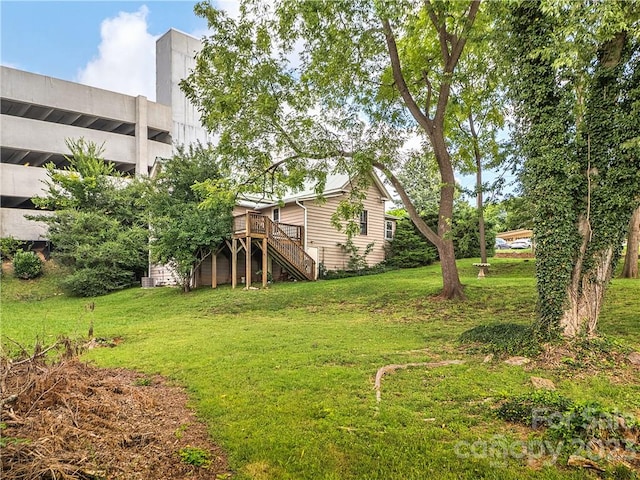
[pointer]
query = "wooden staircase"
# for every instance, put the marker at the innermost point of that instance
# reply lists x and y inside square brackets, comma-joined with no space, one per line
[284,242]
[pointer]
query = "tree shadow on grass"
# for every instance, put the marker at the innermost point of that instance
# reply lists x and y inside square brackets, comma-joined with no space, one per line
[502,339]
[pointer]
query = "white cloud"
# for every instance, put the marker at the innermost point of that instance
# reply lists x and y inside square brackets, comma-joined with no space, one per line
[126,60]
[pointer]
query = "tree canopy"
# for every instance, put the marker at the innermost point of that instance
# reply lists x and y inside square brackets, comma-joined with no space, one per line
[296,90]
[184,231]
[97,226]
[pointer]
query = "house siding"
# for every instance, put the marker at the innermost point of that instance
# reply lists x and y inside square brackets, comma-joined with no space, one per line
[291,213]
[322,235]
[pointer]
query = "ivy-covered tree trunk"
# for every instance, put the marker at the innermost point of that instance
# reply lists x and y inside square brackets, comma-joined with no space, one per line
[585,294]
[581,170]
[600,225]
[630,269]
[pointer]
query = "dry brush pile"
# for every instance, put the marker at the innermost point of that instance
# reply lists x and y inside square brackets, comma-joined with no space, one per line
[66,419]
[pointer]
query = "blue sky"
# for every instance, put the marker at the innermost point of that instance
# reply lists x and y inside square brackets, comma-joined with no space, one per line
[77,40]
[104,44]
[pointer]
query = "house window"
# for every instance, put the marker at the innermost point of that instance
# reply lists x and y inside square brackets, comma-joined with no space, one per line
[363,222]
[276,215]
[388,230]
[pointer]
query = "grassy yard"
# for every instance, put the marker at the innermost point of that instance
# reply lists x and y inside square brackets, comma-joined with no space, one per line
[284,377]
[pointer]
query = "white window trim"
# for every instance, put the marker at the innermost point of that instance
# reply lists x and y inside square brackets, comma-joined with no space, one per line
[388,232]
[366,222]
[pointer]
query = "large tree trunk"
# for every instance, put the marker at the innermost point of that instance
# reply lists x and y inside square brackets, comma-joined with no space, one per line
[585,293]
[452,46]
[452,288]
[585,297]
[630,269]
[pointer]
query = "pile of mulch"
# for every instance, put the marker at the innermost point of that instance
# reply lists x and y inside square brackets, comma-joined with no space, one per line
[71,420]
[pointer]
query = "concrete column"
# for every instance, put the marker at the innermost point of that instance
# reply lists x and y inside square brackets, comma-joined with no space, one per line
[142,153]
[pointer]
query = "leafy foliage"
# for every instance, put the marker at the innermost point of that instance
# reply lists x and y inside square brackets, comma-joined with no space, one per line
[195,456]
[512,213]
[186,230]
[409,248]
[357,260]
[534,409]
[26,265]
[464,230]
[8,247]
[325,274]
[573,424]
[98,228]
[466,236]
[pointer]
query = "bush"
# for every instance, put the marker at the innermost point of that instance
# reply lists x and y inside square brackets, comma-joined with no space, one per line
[325,274]
[534,409]
[8,247]
[465,231]
[26,265]
[409,248]
[195,456]
[579,427]
[93,282]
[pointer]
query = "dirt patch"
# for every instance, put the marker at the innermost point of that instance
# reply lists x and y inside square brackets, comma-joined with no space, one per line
[514,255]
[72,420]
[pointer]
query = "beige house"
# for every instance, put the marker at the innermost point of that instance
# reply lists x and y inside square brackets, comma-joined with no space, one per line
[294,238]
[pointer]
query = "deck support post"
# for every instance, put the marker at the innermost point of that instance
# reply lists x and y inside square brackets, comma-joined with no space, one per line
[234,262]
[264,262]
[247,268]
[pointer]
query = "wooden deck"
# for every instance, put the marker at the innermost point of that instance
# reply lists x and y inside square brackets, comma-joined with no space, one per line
[284,242]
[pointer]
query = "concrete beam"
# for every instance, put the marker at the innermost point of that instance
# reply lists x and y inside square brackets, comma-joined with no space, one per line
[14,224]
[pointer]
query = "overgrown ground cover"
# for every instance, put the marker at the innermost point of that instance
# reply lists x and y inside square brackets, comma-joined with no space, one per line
[284,377]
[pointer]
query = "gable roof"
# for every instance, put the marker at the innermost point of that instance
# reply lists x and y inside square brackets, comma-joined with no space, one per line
[336,184]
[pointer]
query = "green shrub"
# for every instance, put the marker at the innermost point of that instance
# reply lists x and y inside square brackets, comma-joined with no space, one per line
[8,247]
[577,428]
[409,248]
[591,420]
[325,274]
[26,265]
[93,282]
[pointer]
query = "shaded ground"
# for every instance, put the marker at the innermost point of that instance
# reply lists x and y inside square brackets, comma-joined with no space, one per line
[74,421]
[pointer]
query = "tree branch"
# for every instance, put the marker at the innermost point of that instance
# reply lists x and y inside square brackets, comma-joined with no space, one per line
[422,119]
[441,28]
[451,60]
[458,43]
[427,82]
[408,204]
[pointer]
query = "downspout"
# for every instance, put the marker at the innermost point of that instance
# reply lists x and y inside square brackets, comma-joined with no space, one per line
[305,223]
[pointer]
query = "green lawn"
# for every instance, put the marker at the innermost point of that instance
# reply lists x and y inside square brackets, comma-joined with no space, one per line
[284,377]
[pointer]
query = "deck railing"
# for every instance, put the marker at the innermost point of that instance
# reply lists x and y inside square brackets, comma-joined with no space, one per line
[290,249]
[257,227]
[285,238]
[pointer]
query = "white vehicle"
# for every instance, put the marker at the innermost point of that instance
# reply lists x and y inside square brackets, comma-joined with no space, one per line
[521,244]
